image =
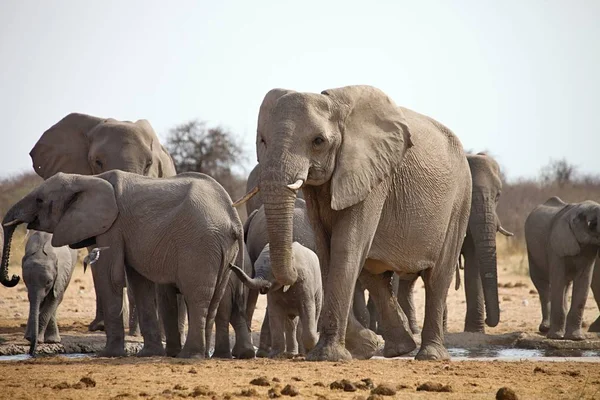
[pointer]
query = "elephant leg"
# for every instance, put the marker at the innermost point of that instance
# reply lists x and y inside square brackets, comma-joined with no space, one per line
[581,289]
[167,309]
[134,325]
[224,312]
[47,318]
[542,286]
[264,347]
[98,323]
[308,321]
[144,293]
[251,306]
[558,296]
[291,331]
[243,348]
[595,326]
[52,335]
[299,339]
[277,328]
[359,305]
[373,314]
[394,324]
[475,317]
[404,293]
[181,316]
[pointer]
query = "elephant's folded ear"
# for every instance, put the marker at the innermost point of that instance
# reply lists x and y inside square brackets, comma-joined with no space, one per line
[64,147]
[90,209]
[375,137]
[263,115]
[63,276]
[562,238]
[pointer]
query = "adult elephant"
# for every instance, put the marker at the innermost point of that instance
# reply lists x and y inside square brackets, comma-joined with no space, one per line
[87,145]
[595,326]
[386,188]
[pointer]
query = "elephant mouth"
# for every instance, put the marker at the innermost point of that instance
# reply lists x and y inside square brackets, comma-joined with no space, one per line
[35,224]
[84,243]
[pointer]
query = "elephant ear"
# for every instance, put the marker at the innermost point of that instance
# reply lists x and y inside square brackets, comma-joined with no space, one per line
[63,271]
[89,210]
[64,147]
[562,239]
[375,137]
[165,167]
[263,115]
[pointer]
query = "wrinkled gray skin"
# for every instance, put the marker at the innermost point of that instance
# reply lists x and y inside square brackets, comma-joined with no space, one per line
[88,145]
[188,219]
[232,309]
[595,326]
[256,238]
[303,299]
[386,188]
[46,272]
[562,245]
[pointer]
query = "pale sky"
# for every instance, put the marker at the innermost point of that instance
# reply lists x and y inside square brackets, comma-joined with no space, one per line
[520,78]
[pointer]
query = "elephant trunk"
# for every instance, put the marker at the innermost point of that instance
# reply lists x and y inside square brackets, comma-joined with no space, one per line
[257,283]
[484,237]
[33,323]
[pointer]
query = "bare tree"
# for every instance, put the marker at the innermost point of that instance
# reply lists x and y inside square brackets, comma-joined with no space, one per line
[558,172]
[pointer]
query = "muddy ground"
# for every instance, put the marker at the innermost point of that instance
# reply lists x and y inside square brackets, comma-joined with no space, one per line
[88,378]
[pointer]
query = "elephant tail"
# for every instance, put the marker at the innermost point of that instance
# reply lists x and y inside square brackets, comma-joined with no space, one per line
[259,284]
[458,268]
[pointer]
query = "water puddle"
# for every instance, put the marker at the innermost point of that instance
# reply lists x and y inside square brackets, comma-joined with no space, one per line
[23,357]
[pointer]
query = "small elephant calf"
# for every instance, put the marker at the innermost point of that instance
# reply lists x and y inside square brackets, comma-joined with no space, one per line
[47,272]
[303,299]
[563,241]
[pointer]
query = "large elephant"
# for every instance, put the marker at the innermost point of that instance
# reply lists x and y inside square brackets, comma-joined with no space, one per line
[386,188]
[88,145]
[47,272]
[595,326]
[179,232]
[563,241]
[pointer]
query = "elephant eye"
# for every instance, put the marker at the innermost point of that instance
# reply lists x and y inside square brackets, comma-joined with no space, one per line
[318,141]
[39,201]
[148,165]
[99,164]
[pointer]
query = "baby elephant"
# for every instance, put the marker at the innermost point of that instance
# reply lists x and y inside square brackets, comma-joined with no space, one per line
[47,272]
[303,299]
[562,244]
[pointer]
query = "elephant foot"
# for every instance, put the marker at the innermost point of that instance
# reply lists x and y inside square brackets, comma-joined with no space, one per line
[553,334]
[432,352]
[362,346]
[544,327]
[96,325]
[112,352]
[575,335]
[151,351]
[281,355]
[244,353]
[395,349]
[474,328]
[222,354]
[263,353]
[191,354]
[331,351]
[595,326]
[54,338]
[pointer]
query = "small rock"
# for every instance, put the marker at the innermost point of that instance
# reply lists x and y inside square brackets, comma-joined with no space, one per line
[365,384]
[88,382]
[344,385]
[505,393]
[61,386]
[539,369]
[18,315]
[525,302]
[192,371]
[384,390]
[532,291]
[260,381]
[143,394]
[249,392]
[290,390]
[297,379]
[274,393]
[179,387]
[320,384]
[276,379]
[434,387]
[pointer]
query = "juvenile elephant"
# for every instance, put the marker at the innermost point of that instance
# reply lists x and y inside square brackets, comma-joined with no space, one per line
[232,310]
[302,299]
[180,232]
[47,272]
[562,245]
[88,145]
[386,188]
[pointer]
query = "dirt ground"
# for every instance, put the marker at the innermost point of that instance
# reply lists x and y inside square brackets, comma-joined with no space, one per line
[130,377]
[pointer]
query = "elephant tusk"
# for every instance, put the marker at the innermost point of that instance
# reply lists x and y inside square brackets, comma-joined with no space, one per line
[246,197]
[296,185]
[286,288]
[13,222]
[504,231]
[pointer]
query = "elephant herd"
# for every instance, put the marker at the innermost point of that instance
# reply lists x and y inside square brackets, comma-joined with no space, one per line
[351,193]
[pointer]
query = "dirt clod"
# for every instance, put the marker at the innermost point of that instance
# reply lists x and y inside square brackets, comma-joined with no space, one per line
[506,393]
[384,390]
[180,387]
[365,384]
[192,371]
[540,370]
[344,385]
[320,384]
[434,387]
[276,379]
[88,382]
[290,390]
[260,381]
[249,392]
[274,393]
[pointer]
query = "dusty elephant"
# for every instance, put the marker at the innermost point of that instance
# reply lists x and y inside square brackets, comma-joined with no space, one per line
[47,272]
[595,326]
[88,145]
[180,232]
[386,188]
[302,299]
[562,246]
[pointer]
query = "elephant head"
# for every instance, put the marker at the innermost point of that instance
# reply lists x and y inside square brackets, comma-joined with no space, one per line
[75,208]
[87,145]
[344,140]
[578,227]
[263,281]
[483,225]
